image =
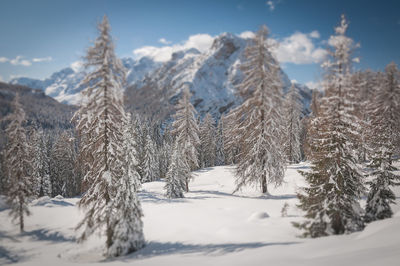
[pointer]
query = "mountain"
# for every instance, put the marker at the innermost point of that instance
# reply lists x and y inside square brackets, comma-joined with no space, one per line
[64,85]
[40,109]
[212,76]
[154,87]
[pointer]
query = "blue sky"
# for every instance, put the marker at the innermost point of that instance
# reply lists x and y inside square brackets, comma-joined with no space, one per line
[43,36]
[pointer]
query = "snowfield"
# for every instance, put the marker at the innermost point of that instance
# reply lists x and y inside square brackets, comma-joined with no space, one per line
[210,226]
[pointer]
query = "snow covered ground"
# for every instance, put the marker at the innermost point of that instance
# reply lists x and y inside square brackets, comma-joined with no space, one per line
[208,227]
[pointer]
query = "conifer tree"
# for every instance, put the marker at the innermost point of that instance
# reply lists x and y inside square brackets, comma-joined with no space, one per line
[186,131]
[335,182]
[128,227]
[229,133]
[150,163]
[177,174]
[208,141]
[101,119]
[40,165]
[292,108]
[259,119]
[220,145]
[18,165]
[384,129]
[65,180]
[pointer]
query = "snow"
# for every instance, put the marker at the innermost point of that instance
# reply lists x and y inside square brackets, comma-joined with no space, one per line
[210,226]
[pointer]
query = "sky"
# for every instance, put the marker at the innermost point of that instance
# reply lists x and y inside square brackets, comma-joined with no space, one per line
[40,37]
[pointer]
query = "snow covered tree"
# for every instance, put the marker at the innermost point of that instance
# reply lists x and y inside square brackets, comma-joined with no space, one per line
[229,133]
[219,144]
[208,142]
[3,178]
[178,173]
[108,201]
[150,163]
[128,227]
[40,165]
[186,131]
[65,180]
[335,182]
[259,119]
[384,132]
[292,108]
[18,165]
[165,153]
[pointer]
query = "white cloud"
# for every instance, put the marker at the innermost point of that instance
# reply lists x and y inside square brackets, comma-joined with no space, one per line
[299,49]
[164,41]
[201,42]
[18,61]
[313,85]
[43,59]
[315,34]
[247,35]
[271,5]
[77,66]
[1,79]
[15,76]
[4,59]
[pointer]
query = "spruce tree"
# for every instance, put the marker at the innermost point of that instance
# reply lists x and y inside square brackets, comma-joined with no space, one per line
[384,132]
[18,165]
[63,163]
[186,131]
[335,182]
[40,165]
[208,141]
[126,221]
[150,163]
[108,202]
[220,145]
[177,174]
[293,109]
[258,121]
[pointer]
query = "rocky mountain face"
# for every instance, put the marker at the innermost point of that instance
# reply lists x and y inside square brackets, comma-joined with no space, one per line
[154,87]
[64,85]
[212,78]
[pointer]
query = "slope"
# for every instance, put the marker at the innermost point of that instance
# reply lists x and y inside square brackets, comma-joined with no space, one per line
[208,227]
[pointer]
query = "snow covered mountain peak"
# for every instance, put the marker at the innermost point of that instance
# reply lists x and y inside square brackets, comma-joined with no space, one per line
[212,75]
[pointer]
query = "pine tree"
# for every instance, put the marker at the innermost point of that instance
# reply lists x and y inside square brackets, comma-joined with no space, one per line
[66,181]
[165,153]
[150,163]
[101,119]
[186,131]
[177,174]
[292,107]
[229,133]
[40,165]
[384,130]
[335,182]
[259,119]
[220,145]
[18,165]
[208,142]
[126,221]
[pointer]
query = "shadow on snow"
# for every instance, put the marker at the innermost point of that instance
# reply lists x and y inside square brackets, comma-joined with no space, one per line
[46,235]
[153,248]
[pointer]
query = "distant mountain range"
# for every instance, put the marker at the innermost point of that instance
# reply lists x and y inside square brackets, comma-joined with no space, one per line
[154,87]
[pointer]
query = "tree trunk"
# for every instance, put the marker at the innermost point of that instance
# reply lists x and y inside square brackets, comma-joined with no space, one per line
[21,217]
[187,184]
[264,184]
